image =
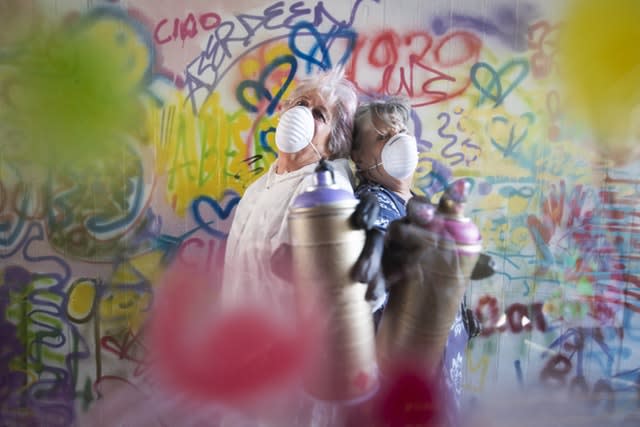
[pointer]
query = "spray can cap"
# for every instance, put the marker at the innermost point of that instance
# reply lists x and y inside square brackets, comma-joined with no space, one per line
[324,189]
[451,210]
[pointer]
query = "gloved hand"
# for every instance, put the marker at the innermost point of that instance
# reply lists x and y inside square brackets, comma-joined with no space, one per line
[405,244]
[366,212]
[376,292]
[367,268]
[368,264]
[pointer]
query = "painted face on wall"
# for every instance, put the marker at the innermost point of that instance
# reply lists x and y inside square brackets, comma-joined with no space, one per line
[130,51]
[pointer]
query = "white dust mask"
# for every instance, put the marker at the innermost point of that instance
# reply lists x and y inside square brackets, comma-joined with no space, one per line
[400,156]
[295,129]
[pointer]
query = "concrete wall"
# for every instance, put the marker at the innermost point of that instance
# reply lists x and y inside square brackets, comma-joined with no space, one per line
[80,251]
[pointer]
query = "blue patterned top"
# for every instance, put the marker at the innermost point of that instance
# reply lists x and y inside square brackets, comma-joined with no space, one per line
[452,368]
[392,206]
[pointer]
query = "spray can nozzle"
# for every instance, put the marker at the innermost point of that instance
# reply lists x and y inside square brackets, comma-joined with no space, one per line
[454,198]
[323,190]
[325,247]
[324,174]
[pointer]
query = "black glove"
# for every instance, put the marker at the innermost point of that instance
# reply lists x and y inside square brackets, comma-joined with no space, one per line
[368,264]
[376,292]
[367,268]
[404,245]
[484,267]
[366,212]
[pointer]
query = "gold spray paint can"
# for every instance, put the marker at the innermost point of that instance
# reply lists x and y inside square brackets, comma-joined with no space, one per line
[325,247]
[421,309]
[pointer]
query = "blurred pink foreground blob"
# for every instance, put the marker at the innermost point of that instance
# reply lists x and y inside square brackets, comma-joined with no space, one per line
[235,356]
[207,363]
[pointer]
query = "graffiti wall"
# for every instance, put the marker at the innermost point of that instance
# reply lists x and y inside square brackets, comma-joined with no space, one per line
[81,248]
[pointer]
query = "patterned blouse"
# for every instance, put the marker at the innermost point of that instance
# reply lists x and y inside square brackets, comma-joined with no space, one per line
[392,206]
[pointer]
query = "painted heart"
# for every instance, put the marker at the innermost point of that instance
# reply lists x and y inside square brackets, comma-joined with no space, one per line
[496,85]
[259,88]
[213,209]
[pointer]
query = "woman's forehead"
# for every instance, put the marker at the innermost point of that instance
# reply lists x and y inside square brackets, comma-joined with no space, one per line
[313,96]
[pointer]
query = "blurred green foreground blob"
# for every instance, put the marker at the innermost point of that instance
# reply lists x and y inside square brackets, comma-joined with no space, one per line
[72,91]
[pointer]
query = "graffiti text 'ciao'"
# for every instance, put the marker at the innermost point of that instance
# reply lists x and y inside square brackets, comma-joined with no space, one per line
[187,28]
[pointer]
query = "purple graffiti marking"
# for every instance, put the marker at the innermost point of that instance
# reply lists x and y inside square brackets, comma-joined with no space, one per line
[577,345]
[510,25]
[12,224]
[575,342]
[423,144]
[42,327]
[11,348]
[450,150]
[435,179]
[35,233]
[150,237]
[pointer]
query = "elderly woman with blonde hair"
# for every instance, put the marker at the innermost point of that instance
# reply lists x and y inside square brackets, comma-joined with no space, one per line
[386,156]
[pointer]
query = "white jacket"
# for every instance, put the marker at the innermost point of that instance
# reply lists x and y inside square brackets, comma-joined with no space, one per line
[259,227]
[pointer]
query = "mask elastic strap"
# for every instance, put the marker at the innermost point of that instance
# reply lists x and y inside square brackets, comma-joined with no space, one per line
[369,168]
[316,150]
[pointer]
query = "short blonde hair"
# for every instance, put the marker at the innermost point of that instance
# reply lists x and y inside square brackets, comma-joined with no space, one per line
[342,100]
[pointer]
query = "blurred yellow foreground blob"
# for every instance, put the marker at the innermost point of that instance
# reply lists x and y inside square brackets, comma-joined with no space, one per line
[600,67]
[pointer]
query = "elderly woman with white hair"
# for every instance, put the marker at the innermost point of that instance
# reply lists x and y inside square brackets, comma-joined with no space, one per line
[316,123]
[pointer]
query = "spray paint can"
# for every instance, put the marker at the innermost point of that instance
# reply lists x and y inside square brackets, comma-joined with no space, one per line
[421,309]
[325,246]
